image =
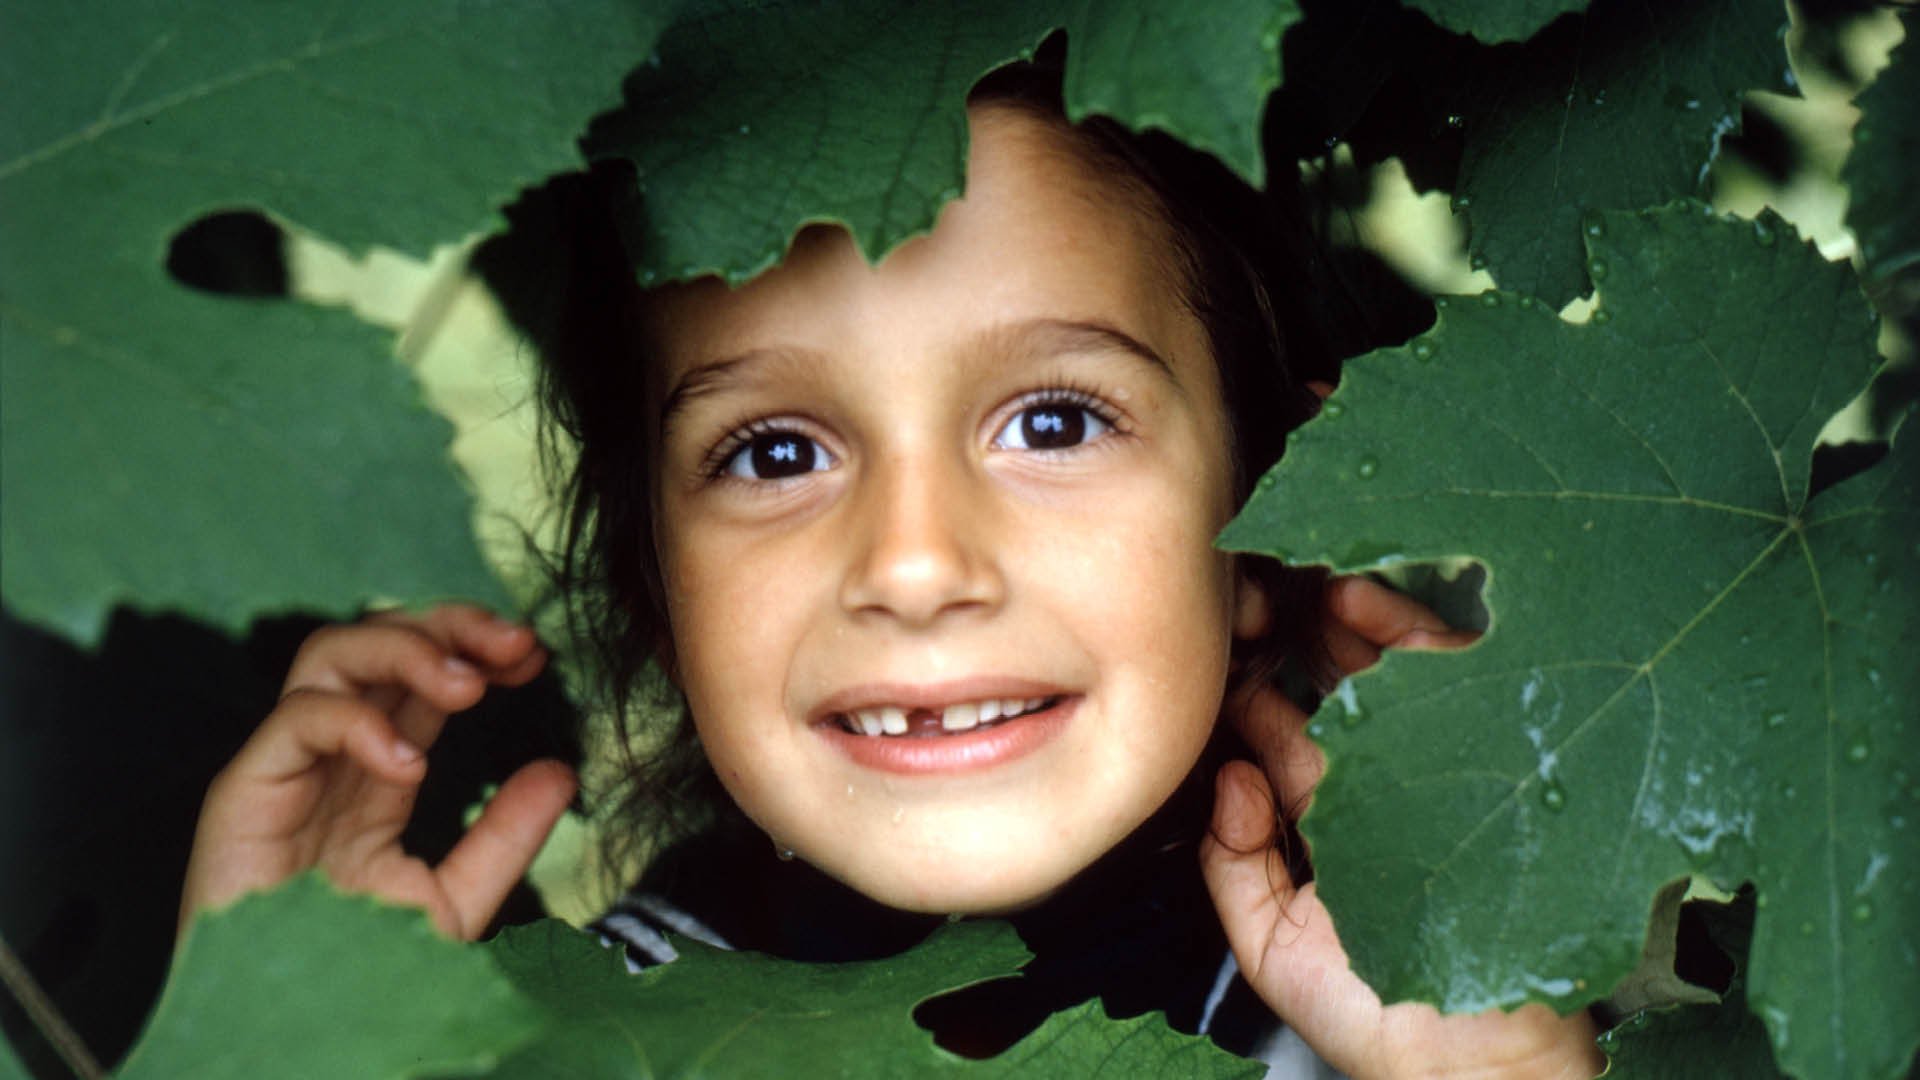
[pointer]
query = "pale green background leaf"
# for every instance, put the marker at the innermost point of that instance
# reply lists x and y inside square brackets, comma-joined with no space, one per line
[749,122]
[1620,109]
[224,458]
[1692,668]
[1880,172]
[1497,21]
[305,982]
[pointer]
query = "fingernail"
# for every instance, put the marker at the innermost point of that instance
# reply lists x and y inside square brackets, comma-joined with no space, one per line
[405,752]
[459,668]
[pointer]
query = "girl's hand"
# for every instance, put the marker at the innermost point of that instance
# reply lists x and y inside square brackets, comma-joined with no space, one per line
[330,777]
[1284,939]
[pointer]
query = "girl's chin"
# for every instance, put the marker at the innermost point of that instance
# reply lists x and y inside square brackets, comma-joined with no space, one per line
[946,889]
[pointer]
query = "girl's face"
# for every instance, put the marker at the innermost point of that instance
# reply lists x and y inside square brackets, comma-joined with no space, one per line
[978,480]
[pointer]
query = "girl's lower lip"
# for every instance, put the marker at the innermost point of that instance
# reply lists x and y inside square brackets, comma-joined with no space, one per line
[961,751]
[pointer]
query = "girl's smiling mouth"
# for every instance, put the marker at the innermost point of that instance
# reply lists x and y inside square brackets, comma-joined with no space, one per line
[944,729]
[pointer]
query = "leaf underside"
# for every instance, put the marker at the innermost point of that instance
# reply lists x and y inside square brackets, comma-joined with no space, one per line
[1879,173]
[1511,20]
[1692,668]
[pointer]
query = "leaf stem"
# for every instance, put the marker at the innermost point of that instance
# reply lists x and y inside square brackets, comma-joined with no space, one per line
[40,1009]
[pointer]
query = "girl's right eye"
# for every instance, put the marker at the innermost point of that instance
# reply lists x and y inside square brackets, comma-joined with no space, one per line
[776,455]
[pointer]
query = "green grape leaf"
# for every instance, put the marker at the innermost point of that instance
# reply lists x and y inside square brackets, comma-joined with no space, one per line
[306,982]
[172,450]
[11,1067]
[1693,667]
[718,1013]
[1513,20]
[1882,212]
[1672,1043]
[1620,109]
[750,121]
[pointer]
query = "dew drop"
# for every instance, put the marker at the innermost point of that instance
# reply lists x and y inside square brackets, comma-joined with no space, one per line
[1423,349]
[1553,796]
[1760,900]
[1332,410]
[1489,299]
[1776,719]
[1601,316]
[1368,468]
[1267,481]
[1597,269]
[1788,791]
[1762,234]
[1478,261]
[1461,202]
[1440,301]
[1858,750]
[745,129]
[1862,911]
[1596,226]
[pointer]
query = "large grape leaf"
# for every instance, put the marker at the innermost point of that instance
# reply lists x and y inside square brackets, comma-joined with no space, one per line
[1693,667]
[1511,20]
[752,120]
[305,982]
[1620,109]
[1879,173]
[719,1013]
[171,450]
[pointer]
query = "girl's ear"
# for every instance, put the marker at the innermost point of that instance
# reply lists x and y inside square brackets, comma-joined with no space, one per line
[1252,609]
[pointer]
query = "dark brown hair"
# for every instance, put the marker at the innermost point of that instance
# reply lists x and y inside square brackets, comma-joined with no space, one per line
[1252,270]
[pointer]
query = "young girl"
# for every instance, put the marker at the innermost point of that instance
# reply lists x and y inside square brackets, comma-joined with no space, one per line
[926,546]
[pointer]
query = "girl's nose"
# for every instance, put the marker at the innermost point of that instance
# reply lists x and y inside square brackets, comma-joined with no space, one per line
[923,544]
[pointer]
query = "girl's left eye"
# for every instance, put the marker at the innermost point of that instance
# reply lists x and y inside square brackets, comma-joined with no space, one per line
[776,455]
[1051,425]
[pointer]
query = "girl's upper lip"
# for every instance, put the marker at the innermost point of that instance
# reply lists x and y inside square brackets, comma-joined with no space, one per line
[934,695]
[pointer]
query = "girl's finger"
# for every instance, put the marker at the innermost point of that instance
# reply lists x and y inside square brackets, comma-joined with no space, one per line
[1245,873]
[1276,729]
[497,646]
[1347,649]
[310,724]
[349,659]
[1381,616]
[483,867]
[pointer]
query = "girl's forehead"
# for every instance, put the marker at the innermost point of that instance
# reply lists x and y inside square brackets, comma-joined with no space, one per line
[1042,231]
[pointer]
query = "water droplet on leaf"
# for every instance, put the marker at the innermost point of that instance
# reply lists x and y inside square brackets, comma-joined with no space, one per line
[1863,912]
[1423,350]
[1553,796]
[1267,481]
[1332,410]
[1368,467]
[1858,750]
[1601,316]
[1776,719]
[1597,269]
[1489,299]
[1478,261]
[1762,235]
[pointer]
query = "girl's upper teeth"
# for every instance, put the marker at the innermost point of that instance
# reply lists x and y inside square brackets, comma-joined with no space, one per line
[892,719]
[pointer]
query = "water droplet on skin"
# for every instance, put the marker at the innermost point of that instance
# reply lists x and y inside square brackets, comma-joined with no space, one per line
[1478,261]
[1553,796]
[1778,719]
[899,814]
[1369,466]
[1489,299]
[1597,269]
[1863,912]
[1858,751]
[1423,350]
[1332,410]
[1601,316]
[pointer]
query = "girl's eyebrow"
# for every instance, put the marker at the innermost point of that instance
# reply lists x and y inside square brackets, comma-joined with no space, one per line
[715,375]
[1045,335]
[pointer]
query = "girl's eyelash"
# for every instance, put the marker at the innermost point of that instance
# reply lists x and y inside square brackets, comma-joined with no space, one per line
[1077,395]
[714,465]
